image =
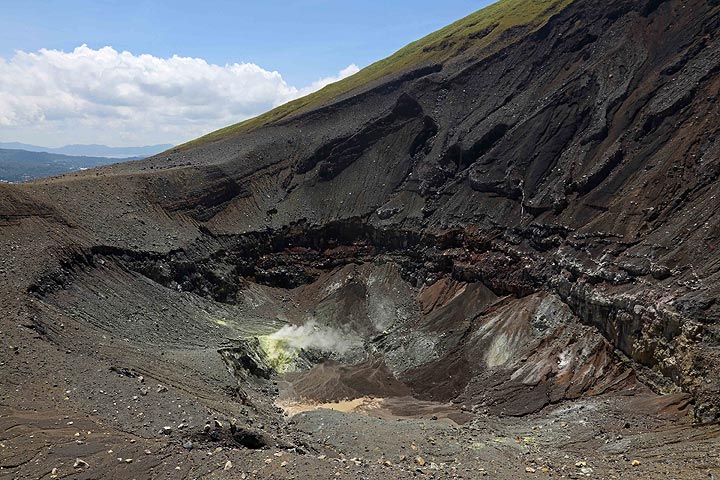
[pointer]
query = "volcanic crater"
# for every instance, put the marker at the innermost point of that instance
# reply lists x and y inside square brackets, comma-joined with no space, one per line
[493,254]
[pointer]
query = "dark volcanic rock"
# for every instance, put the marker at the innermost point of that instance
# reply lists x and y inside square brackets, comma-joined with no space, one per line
[505,229]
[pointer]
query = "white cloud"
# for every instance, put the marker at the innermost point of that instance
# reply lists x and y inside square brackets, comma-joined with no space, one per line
[317,85]
[105,96]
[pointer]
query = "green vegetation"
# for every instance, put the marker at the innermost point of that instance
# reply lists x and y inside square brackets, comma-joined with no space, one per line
[483,32]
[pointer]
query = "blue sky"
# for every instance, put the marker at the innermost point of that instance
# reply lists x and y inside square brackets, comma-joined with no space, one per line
[303,40]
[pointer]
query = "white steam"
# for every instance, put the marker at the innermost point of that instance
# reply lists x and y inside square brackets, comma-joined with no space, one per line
[313,336]
[283,347]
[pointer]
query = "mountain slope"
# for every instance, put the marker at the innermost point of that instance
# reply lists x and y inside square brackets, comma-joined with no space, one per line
[484,32]
[520,241]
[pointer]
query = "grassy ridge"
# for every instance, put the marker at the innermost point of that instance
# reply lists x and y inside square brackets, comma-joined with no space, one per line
[485,31]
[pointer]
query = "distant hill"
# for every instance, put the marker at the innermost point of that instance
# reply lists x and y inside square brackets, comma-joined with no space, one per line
[92,150]
[21,165]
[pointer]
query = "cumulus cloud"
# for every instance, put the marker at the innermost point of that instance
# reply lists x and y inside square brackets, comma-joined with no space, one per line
[106,96]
